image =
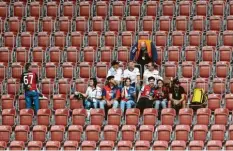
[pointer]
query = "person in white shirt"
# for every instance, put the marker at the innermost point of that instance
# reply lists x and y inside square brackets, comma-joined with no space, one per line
[151,72]
[133,73]
[115,71]
[93,94]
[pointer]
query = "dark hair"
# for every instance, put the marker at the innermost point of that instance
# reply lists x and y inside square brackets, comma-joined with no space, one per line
[94,81]
[159,80]
[151,78]
[153,64]
[27,66]
[128,79]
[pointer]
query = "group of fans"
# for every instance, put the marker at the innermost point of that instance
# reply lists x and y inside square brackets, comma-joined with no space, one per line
[125,89]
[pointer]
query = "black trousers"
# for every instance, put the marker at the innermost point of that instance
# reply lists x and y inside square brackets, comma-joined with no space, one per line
[144,103]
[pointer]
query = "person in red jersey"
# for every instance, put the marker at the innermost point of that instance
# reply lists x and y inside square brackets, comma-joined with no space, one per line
[29,80]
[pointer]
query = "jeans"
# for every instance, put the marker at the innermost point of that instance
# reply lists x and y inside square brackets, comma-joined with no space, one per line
[89,104]
[102,104]
[163,103]
[129,104]
[32,97]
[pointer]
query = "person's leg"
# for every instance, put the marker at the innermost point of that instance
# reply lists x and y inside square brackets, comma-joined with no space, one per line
[28,100]
[87,104]
[36,101]
[102,104]
[115,104]
[164,103]
[157,104]
[95,103]
[130,104]
[122,106]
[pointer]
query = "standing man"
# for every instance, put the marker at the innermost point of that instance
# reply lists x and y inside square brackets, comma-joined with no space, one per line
[143,52]
[29,80]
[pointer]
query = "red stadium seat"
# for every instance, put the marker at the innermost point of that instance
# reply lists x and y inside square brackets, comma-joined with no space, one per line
[160,38]
[214,145]
[88,145]
[127,38]
[144,35]
[22,55]
[182,23]
[4,10]
[148,23]
[160,145]
[7,101]
[150,116]
[9,117]
[132,116]
[178,38]
[229,22]
[195,38]
[131,23]
[19,9]
[93,39]
[165,23]
[208,53]
[26,117]
[219,85]
[69,9]
[222,69]
[68,69]
[199,23]
[200,132]
[52,9]
[218,132]
[70,145]
[221,116]
[152,8]
[164,132]
[214,101]
[14,24]
[76,40]
[114,23]
[128,132]
[17,145]
[22,133]
[75,103]
[178,145]
[229,145]
[81,85]
[98,23]
[35,9]
[218,8]
[6,55]
[5,131]
[13,86]
[43,117]
[17,68]
[114,117]
[85,9]
[215,23]
[64,86]
[106,145]
[123,54]
[93,133]
[135,8]
[225,53]
[168,116]
[102,8]
[202,8]
[168,8]
[205,69]
[228,100]
[97,116]
[81,24]
[89,54]
[35,145]
[79,117]
[186,116]
[182,132]
[203,116]
[75,133]
[61,117]
[196,145]
[212,38]
[174,53]
[47,87]
[51,70]
[59,101]
[185,8]
[118,8]
[53,145]
[9,40]
[142,145]
[111,133]
[146,133]
[57,133]
[170,69]
[64,24]
[31,24]
[47,24]
[39,133]
[124,145]
[106,54]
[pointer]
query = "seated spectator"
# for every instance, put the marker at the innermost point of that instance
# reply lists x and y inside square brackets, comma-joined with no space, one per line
[93,94]
[161,95]
[133,73]
[111,94]
[128,95]
[151,72]
[115,71]
[176,95]
[146,96]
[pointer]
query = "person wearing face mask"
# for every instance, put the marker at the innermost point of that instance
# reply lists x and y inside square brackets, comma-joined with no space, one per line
[143,52]
[133,73]
[147,95]
[151,71]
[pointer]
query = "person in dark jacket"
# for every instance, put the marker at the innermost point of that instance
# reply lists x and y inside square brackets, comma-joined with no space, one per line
[143,52]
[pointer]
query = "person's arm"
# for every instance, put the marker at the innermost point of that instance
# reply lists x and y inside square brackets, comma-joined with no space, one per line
[133,51]
[109,73]
[170,97]
[123,92]
[118,95]
[104,94]
[139,95]
[154,52]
